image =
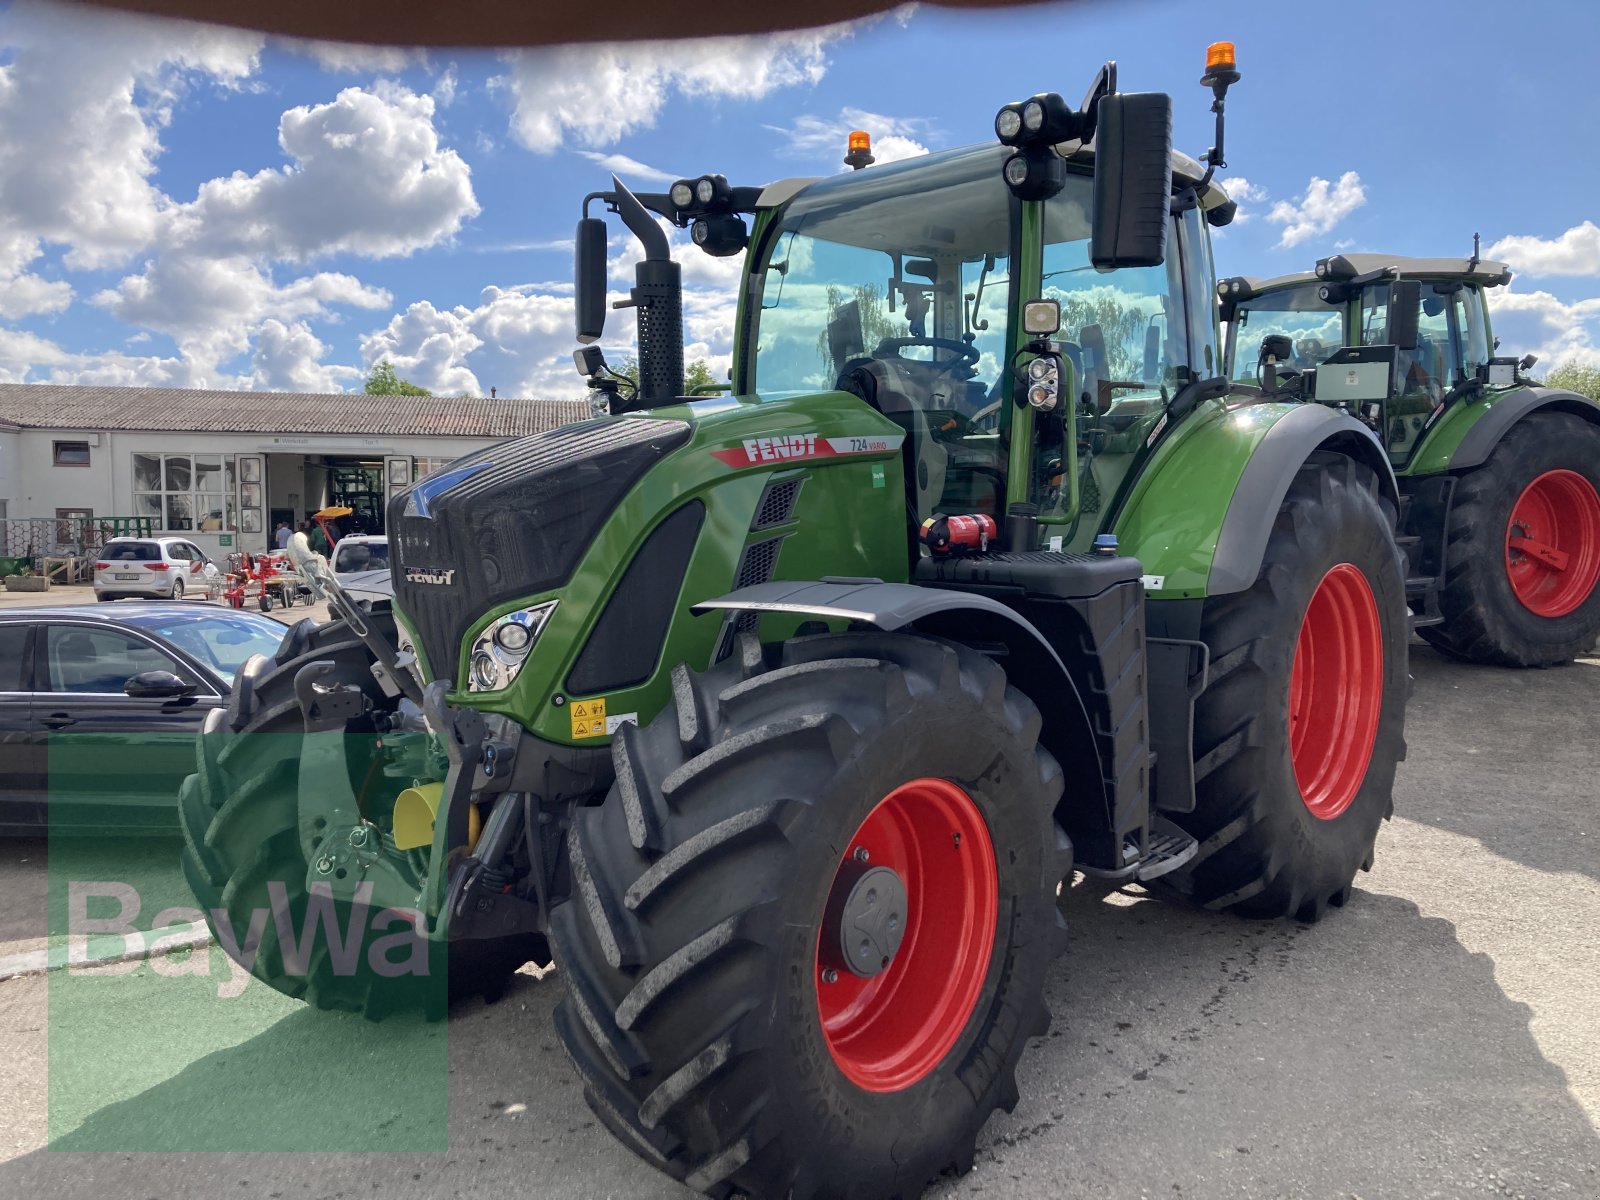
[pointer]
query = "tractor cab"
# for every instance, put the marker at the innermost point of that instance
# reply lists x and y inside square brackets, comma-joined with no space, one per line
[1281,330]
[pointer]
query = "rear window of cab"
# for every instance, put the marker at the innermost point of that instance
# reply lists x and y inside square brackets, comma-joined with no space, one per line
[132,552]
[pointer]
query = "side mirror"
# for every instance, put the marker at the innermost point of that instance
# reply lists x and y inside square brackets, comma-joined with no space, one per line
[1132,180]
[589,279]
[1405,303]
[157,685]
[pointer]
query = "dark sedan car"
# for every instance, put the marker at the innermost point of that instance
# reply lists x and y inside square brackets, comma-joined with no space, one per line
[99,708]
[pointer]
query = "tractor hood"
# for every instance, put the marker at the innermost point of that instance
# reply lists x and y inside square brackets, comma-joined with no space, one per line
[511,521]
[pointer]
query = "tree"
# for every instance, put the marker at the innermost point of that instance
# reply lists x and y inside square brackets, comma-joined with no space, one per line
[1574,378]
[697,375]
[383,381]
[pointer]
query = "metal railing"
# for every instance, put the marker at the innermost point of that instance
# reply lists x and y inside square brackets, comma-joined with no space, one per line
[26,541]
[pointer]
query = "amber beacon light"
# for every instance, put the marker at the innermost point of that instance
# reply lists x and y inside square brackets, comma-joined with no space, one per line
[859,151]
[1221,66]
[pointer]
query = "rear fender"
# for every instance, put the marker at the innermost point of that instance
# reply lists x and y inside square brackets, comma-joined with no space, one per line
[1202,511]
[1468,434]
[1287,446]
[1031,663]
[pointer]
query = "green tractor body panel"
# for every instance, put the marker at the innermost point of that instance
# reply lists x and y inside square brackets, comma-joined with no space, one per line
[846,520]
[1176,511]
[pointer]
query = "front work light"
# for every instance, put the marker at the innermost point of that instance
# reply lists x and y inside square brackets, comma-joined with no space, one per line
[1036,173]
[682,194]
[719,234]
[1008,124]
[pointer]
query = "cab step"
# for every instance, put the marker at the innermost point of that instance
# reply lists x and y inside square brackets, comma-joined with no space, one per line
[1168,848]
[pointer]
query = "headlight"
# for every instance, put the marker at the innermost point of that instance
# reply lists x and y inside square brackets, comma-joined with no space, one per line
[1033,116]
[1040,368]
[501,649]
[1017,169]
[682,194]
[705,190]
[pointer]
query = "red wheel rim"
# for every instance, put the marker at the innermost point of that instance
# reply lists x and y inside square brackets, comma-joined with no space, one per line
[888,1031]
[1336,691]
[1553,544]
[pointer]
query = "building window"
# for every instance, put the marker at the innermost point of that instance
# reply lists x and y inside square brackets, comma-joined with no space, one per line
[185,493]
[427,466]
[71,454]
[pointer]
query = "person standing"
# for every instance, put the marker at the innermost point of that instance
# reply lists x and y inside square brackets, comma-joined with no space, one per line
[283,535]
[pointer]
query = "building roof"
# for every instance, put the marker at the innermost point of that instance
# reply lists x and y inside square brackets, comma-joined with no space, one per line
[185,410]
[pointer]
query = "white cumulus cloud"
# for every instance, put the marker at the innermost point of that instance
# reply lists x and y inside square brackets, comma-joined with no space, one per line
[823,139]
[1537,322]
[1322,207]
[82,105]
[366,175]
[1575,252]
[598,93]
[288,358]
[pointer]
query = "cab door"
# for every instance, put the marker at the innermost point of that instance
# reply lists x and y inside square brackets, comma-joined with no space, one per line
[21,769]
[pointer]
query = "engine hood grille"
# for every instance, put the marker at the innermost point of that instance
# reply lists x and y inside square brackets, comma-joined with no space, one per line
[511,521]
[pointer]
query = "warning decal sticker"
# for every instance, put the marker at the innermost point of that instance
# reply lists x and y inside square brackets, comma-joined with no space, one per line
[588,718]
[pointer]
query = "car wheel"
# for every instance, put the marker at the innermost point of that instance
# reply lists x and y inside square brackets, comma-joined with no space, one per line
[177,589]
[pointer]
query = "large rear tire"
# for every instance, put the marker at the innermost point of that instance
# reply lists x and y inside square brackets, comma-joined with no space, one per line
[1301,726]
[1522,557]
[718,1030]
[243,855]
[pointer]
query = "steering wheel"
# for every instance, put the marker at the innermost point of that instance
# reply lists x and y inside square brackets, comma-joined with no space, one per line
[965,353]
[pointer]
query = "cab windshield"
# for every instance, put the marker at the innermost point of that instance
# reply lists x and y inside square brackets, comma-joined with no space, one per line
[908,265]
[1315,329]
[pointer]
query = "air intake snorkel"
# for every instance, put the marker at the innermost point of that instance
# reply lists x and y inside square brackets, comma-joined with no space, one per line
[657,294]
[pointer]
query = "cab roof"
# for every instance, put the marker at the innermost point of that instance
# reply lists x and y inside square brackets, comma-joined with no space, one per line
[1485,272]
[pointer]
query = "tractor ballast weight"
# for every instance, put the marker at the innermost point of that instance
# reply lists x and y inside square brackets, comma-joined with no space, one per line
[783,716]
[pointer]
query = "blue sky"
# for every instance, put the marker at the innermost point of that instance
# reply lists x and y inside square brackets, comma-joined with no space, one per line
[190,206]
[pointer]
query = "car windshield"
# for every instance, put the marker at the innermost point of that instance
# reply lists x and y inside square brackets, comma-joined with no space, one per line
[907,263]
[132,552]
[361,556]
[1314,327]
[222,641]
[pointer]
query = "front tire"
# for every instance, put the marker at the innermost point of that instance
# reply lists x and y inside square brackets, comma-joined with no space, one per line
[177,589]
[1301,726]
[1534,504]
[718,1027]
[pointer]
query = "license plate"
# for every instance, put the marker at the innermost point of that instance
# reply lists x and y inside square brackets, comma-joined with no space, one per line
[119,575]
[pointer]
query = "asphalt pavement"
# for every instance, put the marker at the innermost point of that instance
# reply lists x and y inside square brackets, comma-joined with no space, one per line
[1439,1037]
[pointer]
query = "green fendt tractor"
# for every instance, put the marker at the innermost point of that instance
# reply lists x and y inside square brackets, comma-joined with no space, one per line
[784,714]
[1499,479]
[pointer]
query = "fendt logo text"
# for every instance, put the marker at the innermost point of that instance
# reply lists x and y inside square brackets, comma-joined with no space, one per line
[767,449]
[430,574]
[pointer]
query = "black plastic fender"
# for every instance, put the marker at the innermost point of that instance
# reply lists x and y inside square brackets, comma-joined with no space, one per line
[1242,540]
[1031,663]
[1479,441]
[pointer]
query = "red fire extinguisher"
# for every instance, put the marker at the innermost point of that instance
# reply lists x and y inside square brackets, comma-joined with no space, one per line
[968,534]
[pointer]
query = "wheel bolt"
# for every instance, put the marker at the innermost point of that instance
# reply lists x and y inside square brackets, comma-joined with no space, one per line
[862,855]
[829,975]
[324,866]
[358,836]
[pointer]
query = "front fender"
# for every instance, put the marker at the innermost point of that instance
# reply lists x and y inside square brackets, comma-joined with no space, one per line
[1203,509]
[1031,662]
[1467,434]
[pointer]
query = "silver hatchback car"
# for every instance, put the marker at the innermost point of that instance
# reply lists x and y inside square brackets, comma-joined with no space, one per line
[155,567]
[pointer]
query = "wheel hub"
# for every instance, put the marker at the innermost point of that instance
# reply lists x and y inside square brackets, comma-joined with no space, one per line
[1553,544]
[866,918]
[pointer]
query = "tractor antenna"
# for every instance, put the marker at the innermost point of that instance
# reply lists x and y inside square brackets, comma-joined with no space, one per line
[1472,263]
